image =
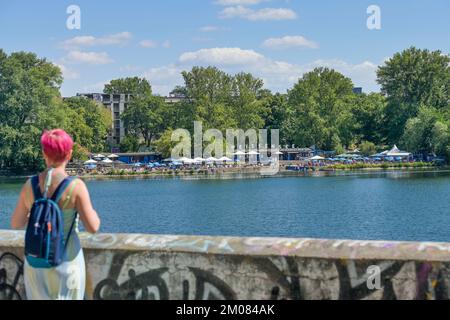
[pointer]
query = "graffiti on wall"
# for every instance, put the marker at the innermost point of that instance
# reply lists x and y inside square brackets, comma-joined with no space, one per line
[11,270]
[272,278]
[141,267]
[195,284]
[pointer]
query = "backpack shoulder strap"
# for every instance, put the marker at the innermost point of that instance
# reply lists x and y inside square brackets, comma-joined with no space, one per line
[36,188]
[61,188]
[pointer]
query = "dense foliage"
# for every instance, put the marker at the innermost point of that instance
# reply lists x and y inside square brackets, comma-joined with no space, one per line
[321,109]
[30,102]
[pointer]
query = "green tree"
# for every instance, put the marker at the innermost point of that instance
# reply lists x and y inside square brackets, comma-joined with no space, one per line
[369,111]
[135,86]
[91,122]
[320,105]
[367,148]
[247,109]
[164,144]
[275,112]
[427,133]
[129,144]
[410,79]
[209,94]
[143,118]
[29,93]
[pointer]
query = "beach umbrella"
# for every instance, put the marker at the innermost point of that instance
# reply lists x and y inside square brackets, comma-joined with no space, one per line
[90,161]
[199,160]
[212,159]
[184,159]
[99,156]
[189,161]
[317,158]
[113,156]
[239,153]
[253,153]
[279,153]
[226,159]
[107,161]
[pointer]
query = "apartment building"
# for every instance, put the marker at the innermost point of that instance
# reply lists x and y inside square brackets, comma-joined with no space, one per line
[116,104]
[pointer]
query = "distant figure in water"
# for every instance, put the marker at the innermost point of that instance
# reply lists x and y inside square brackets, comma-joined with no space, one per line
[67,280]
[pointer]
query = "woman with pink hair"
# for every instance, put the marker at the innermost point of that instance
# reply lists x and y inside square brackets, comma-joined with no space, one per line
[67,280]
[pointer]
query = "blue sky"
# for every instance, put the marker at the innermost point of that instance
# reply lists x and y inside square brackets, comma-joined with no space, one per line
[277,40]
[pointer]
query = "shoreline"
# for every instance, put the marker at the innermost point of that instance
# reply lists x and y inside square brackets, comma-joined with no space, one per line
[253,172]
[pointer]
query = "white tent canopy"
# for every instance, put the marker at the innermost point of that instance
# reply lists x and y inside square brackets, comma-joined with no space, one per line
[253,153]
[395,152]
[107,161]
[226,159]
[239,153]
[317,158]
[113,156]
[91,161]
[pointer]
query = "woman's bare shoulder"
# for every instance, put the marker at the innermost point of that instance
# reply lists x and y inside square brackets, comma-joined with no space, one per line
[80,185]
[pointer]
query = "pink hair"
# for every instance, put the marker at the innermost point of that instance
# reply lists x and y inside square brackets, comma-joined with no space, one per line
[56,144]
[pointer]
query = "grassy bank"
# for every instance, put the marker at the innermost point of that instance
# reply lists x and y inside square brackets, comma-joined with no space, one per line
[382,166]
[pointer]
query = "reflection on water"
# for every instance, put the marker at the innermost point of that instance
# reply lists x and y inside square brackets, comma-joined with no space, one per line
[390,205]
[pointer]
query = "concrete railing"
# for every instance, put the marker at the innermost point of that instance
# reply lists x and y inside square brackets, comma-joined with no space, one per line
[134,266]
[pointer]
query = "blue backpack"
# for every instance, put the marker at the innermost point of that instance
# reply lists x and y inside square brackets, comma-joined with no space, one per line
[45,245]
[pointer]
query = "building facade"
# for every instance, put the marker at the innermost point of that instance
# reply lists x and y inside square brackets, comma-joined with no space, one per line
[116,104]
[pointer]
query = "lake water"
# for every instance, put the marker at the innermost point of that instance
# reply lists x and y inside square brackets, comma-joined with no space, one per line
[388,206]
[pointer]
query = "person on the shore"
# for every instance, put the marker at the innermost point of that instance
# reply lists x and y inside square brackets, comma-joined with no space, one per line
[67,280]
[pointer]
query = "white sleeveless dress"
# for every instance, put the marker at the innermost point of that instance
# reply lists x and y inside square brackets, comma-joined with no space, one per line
[66,281]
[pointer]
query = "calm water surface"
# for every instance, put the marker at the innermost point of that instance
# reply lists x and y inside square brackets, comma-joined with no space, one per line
[388,206]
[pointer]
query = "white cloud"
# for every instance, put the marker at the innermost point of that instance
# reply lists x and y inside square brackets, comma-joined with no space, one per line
[153,44]
[265,14]
[77,57]
[202,39]
[119,39]
[96,87]
[238,2]
[209,28]
[363,74]
[164,79]
[278,76]
[222,56]
[148,44]
[129,68]
[289,42]
[68,73]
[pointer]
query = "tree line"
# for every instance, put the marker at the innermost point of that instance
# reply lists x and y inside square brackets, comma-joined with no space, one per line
[412,110]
